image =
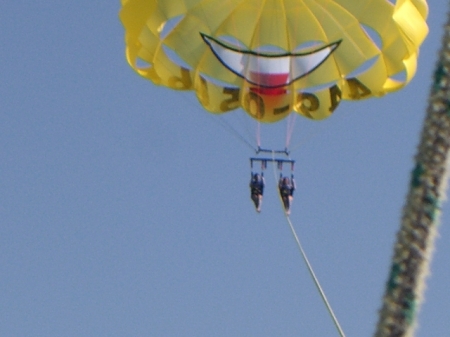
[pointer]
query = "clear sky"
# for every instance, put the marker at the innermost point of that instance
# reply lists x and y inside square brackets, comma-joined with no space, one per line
[125,209]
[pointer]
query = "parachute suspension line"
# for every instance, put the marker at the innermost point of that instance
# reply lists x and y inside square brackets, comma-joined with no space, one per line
[220,121]
[309,136]
[290,128]
[258,134]
[231,130]
[319,129]
[247,125]
[308,264]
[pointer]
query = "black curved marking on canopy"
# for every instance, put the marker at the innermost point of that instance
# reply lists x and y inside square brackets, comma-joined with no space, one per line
[209,40]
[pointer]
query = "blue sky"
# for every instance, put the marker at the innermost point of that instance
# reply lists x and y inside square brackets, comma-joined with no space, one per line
[125,208]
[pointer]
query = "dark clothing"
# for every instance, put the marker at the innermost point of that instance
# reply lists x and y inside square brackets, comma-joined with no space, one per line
[286,187]
[257,185]
[257,190]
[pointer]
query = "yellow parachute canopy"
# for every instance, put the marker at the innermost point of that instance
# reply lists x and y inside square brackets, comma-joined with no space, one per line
[272,57]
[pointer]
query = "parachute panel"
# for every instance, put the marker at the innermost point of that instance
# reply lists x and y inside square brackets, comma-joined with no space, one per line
[277,56]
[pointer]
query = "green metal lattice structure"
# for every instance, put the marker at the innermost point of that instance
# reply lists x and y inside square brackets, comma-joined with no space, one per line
[415,240]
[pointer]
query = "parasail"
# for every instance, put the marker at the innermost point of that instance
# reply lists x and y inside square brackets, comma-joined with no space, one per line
[273,57]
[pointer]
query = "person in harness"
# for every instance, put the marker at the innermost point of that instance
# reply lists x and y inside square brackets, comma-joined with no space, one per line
[257,190]
[286,188]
